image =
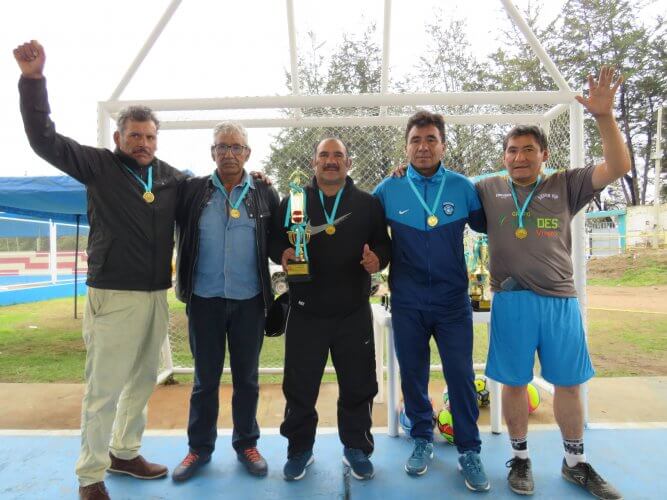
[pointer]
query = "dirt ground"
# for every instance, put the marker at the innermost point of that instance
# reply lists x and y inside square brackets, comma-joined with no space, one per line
[644,298]
[58,406]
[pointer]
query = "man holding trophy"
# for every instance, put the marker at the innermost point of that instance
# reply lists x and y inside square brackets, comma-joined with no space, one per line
[330,237]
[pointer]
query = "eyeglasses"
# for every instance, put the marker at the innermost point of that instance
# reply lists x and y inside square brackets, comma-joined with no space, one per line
[221,149]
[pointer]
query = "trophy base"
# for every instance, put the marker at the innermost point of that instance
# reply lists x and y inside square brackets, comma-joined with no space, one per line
[481,305]
[298,272]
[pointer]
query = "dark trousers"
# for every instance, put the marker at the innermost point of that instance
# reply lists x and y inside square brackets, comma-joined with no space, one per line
[213,324]
[308,341]
[453,336]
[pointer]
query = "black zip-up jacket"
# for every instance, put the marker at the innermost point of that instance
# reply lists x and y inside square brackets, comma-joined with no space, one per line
[340,284]
[131,242]
[261,204]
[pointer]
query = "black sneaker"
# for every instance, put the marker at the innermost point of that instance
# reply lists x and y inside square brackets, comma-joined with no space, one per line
[295,467]
[190,464]
[359,463]
[584,475]
[253,461]
[520,477]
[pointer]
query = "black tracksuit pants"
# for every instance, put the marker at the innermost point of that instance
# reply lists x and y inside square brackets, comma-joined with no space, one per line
[308,340]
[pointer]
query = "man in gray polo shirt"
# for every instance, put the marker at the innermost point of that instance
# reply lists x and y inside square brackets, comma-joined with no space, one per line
[535,305]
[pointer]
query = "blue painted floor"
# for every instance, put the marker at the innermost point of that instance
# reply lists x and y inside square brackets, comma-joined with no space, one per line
[41,467]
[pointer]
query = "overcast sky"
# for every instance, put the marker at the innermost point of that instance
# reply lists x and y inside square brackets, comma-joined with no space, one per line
[209,49]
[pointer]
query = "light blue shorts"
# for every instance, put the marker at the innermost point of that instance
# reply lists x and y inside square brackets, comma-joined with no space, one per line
[522,323]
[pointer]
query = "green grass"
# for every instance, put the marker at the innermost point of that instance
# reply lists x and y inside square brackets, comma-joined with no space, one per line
[651,275]
[634,268]
[42,343]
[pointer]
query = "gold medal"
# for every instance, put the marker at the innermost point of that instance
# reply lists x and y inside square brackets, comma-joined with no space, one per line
[148,197]
[432,220]
[330,229]
[520,233]
[234,213]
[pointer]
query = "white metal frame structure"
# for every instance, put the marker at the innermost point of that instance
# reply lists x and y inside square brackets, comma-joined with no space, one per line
[559,101]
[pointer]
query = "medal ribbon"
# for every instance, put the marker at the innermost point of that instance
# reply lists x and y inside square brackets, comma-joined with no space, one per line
[218,184]
[148,186]
[330,218]
[299,229]
[430,211]
[522,210]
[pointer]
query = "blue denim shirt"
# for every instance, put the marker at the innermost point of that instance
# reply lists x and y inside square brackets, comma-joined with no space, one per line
[227,259]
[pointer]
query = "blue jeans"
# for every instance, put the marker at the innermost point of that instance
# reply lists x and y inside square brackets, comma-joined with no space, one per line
[214,323]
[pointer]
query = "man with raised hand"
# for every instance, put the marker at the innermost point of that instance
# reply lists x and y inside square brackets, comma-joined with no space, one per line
[223,225]
[535,305]
[132,199]
[331,313]
[427,210]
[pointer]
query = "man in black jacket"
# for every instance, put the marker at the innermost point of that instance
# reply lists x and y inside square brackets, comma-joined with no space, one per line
[132,200]
[331,313]
[223,225]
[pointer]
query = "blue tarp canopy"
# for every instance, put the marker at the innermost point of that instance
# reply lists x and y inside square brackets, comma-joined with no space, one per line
[59,198]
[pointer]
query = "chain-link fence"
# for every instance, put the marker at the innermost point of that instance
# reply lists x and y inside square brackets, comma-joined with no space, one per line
[474,147]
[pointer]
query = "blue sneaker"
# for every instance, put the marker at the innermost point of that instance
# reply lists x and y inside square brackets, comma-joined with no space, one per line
[295,468]
[359,463]
[422,454]
[472,469]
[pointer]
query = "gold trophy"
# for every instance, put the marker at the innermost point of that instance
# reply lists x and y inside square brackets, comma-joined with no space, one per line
[480,278]
[298,269]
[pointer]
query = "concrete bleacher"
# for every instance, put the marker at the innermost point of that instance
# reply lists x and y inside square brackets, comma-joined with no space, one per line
[37,263]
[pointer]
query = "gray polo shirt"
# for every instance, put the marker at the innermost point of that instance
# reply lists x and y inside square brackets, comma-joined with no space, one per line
[540,262]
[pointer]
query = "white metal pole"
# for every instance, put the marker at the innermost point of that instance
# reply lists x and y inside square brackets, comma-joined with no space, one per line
[53,251]
[535,44]
[578,228]
[386,39]
[524,97]
[293,56]
[148,45]
[349,121]
[103,131]
[657,156]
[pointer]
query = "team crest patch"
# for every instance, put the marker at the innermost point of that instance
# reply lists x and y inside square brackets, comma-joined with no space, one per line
[448,207]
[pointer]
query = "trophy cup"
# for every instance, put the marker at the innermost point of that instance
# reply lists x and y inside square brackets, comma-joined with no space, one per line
[480,283]
[298,269]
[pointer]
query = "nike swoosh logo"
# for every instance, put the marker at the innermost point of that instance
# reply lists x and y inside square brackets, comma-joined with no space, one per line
[401,212]
[318,229]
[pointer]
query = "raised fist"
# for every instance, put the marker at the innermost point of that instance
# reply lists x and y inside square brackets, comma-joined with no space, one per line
[30,57]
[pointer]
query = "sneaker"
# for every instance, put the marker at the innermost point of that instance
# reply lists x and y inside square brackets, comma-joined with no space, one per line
[359,463]
[253,461]
[137,467]
[584,475]
[189,466]
[472,469]
[422,454]
[295,467]
[95,491]
[520,477]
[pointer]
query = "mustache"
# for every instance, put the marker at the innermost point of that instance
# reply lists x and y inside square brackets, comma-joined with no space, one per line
[141,150]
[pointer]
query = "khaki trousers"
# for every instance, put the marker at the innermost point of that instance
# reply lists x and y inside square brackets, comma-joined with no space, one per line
[123,332]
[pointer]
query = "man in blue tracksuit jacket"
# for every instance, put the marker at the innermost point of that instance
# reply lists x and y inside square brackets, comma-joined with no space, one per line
[427,211]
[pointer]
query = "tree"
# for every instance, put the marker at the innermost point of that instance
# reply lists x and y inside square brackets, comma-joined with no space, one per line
[596,32]
[354,67]
[448,65]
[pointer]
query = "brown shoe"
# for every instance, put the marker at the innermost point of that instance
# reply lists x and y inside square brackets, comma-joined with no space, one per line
[137,467]
[95,491]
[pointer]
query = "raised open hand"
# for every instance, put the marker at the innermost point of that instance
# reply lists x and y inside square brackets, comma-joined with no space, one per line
[30,57]
[600,100]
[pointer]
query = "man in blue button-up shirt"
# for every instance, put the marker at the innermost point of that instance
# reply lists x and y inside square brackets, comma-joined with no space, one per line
[223,225]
